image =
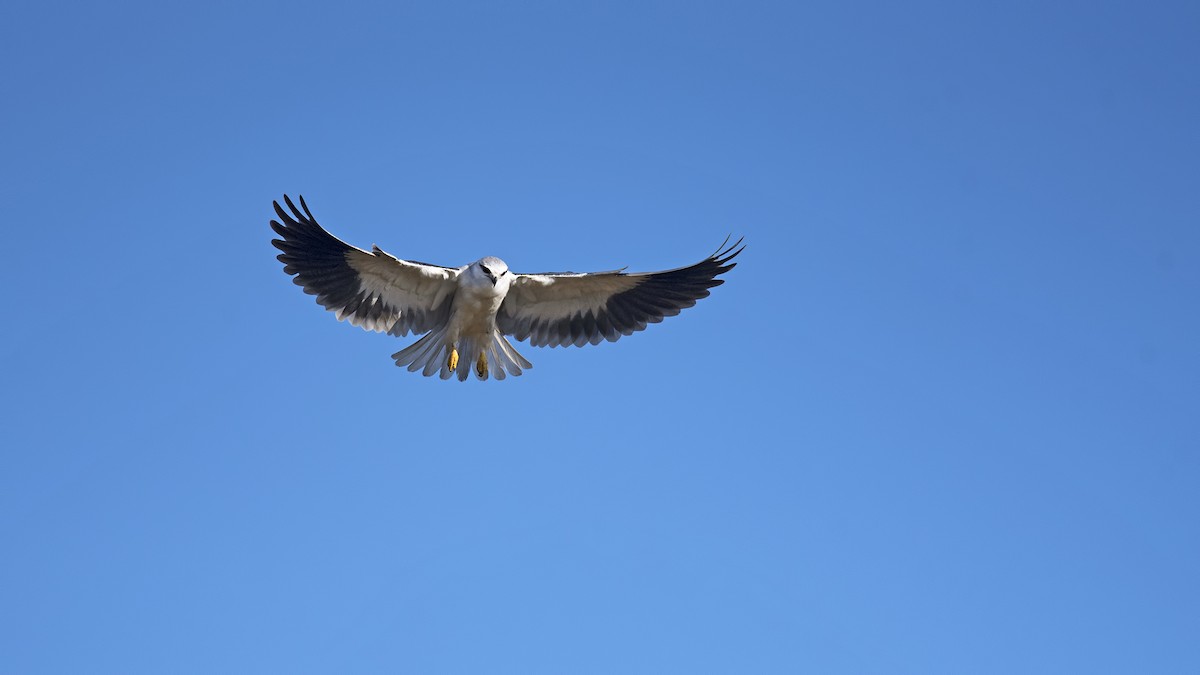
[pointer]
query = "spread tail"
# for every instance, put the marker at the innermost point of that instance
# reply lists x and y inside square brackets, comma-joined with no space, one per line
[431,354]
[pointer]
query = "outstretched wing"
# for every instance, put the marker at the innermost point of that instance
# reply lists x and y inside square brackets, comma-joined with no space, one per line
[577,309]
[372,290]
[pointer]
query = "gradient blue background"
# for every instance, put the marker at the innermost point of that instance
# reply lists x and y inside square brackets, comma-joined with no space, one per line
[943,418]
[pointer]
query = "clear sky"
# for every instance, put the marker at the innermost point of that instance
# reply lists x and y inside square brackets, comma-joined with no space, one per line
[944,417]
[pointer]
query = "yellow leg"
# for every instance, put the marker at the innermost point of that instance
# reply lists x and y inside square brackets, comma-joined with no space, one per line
[452,362]
[481,365]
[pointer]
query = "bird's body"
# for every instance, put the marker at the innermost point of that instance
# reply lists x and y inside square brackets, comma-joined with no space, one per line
[472,321]
[466,312]
[478,300]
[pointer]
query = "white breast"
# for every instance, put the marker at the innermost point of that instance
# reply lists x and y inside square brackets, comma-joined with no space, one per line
[476,304]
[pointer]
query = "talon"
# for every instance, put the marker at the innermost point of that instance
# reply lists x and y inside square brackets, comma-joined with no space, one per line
[481,365]
[452,362]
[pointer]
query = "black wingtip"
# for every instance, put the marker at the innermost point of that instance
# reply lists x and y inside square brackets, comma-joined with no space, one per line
[297,216]
[291,205]
[727,252]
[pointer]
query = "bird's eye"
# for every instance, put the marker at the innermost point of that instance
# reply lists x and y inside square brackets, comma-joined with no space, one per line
[485,269]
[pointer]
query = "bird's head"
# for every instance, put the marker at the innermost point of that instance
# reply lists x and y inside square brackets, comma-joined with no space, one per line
[491,268]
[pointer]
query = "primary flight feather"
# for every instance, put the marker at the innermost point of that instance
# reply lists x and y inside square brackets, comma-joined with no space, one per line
[466,312]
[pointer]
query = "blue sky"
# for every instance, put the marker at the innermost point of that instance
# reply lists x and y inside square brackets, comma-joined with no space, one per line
[941,419]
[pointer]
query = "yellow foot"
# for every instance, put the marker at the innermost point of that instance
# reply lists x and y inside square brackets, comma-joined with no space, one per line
[452,362]
[481,365]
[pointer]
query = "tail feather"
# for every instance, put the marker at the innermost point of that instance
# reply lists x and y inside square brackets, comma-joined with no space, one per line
[503,359]
[428,354]
[431,355]
[494,356]
[423,354]
[421,360]
[438,363]
[410,353]
[514,357]
[497,356]
[468,354]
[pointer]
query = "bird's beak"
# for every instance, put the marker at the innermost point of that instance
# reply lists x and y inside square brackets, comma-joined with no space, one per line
[494,278]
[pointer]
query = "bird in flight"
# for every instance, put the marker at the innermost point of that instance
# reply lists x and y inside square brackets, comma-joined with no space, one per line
[467,312]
